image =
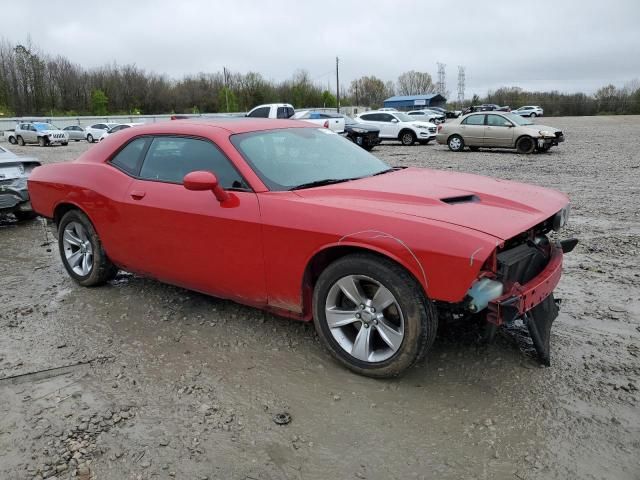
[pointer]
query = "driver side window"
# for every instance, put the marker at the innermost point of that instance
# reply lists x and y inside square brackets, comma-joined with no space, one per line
[497,121]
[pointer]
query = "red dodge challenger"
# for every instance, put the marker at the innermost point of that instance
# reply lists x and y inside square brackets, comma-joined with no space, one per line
[294,219]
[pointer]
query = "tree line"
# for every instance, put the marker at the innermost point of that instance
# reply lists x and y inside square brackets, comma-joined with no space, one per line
[39,84]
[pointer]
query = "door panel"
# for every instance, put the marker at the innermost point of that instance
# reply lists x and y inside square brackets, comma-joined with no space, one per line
[498,132]
[188,238]
[473,135]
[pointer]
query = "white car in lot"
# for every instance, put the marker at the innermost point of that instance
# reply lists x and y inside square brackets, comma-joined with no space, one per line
[272,110]
[529,111]
[117,128]
[93,132]
[399,126]
[331,121]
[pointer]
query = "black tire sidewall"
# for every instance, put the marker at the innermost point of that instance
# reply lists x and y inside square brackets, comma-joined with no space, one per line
[461,143]
[90,138]
[402,137]
[532,145]
[12,140]
[20,141]
[419,330]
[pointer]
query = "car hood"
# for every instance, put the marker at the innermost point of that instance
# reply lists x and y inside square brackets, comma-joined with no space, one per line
[49,132]
[499,208]
[422,123]
[366,126]
[539,128]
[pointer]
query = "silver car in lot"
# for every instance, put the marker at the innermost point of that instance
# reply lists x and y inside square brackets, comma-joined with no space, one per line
[75,132]
[41,133]
[532,111]
[497,130]
[14,196]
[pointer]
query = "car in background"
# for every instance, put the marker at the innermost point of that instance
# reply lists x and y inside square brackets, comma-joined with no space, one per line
[117,128]
[399,126]
[93,132]
[331,121]
[363,134]
[529,111]
[290,218]
[75,132]
[14,195]
[387,109]
[498,130]
[447,113]
[272,110]
[42,133]
[427,115]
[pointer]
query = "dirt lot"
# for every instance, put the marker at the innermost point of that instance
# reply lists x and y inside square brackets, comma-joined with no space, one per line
[165,383]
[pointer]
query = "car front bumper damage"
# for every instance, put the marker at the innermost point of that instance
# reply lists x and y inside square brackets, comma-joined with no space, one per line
[14,196]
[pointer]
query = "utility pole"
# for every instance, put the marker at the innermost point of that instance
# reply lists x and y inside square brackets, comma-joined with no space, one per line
[226,89]
[441,86]
[461,82]
[338,83]
[357,100]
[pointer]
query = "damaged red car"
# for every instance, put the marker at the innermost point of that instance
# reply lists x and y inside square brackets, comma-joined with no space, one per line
[294,219]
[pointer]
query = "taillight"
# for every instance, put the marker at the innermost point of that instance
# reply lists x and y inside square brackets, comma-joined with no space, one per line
[439,127]
[326,124]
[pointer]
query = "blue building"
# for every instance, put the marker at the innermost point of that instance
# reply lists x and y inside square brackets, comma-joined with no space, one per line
[415,102]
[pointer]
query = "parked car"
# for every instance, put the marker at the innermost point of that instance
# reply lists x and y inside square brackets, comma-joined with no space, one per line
[427,116]
[14,196]
[117,128]
[327,120]
[447,113]
[290,218]
[272,110]
[498,129]
[529,111]
[75,133]
[387,109]
[41,133]
[95,131]
[363,134]
[10,135]
[399,126]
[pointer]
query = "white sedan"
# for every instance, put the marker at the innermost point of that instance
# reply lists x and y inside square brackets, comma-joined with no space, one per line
[93,132]
[529,111]
[117,128]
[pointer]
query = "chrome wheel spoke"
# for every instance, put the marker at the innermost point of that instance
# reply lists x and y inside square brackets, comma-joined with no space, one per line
[362,345]
[339,318]
[382,299]
[71,238]
[78,250]
[389,334]
[351,289]
[86,263]
[75,258]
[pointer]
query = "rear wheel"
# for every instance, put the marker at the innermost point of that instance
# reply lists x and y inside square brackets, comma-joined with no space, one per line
[81,250]
[533,115]
[372,315]
[20,141]
[456,143]
[90,138]
[12,140]
[407,137]
[525,145]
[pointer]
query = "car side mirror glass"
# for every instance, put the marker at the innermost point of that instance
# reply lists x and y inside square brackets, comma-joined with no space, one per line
[202,180]
[395,120]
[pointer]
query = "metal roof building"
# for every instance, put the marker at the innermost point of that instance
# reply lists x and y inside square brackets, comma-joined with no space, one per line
[413,102]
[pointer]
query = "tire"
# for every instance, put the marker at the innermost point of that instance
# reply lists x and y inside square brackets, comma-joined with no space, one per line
[90,138]
[42,141]
[12,140]
[24,216]
[525,145]
[455,143]
[20,141]
[407,138]
[474,149]
[81,252]
[409,323]
[64,144]
[533,115]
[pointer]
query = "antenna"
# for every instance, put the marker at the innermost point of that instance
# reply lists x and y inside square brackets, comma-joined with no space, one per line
[441,86]
[461,80]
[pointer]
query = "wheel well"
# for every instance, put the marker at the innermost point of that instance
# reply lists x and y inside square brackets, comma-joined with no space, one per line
[322,260]
[405,130]
[60,211]
[524,136]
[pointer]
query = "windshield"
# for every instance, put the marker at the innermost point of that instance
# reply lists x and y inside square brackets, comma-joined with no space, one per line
[403,117]
[348,120]
[517,119]
[287,158]
[44,126]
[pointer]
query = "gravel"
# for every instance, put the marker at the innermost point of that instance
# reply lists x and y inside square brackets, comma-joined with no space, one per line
[200,380]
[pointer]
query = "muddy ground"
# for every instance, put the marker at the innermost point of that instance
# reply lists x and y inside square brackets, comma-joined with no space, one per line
[165,383]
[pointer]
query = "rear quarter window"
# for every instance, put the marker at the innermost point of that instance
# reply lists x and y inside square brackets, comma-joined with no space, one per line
[129,158]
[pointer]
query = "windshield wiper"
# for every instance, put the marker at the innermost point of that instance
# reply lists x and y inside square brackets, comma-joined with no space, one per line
[319,183]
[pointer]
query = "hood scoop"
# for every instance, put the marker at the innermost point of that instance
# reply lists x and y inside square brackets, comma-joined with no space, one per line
[460,199]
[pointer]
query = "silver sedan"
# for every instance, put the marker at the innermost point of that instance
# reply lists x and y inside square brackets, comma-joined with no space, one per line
[75,132]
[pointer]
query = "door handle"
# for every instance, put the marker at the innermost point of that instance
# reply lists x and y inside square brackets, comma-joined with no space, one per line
[138,194]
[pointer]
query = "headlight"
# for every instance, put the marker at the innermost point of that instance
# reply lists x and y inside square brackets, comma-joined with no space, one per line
[358,130]
[560,219]
[546,133]
[421,126]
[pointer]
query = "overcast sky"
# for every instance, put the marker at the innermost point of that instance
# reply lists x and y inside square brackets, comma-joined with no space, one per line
[542,45]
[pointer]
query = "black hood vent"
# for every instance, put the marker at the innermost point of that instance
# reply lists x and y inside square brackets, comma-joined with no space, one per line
[460,199]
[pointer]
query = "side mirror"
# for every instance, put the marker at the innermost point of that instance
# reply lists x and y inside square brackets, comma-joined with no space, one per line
[202,180]
[395,120]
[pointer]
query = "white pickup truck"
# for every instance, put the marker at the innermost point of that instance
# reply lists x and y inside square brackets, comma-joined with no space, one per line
[285,110]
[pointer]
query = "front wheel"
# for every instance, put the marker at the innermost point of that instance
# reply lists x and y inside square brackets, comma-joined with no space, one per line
[372,315]
[525,145]
[407,138]
[20,141]
[81,250]
[90,138]
[455,143]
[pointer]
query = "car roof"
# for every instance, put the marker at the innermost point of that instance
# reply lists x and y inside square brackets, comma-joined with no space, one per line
[233,125]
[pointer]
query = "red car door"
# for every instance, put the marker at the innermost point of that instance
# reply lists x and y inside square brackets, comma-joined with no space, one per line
[188,238]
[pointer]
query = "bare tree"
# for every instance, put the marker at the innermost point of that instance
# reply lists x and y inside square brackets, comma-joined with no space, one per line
[415,83]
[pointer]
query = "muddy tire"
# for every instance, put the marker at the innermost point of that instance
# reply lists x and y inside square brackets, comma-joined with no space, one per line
[372,315]
[81,250]
[407,138]
[525,145]
[20,141]
[90,138]
[12,140]
[455,143]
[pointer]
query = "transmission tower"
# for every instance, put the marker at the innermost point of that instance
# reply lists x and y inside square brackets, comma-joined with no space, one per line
[461,80]
[441,87]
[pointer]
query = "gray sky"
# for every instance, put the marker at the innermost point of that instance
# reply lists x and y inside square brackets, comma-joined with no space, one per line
[542,45]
